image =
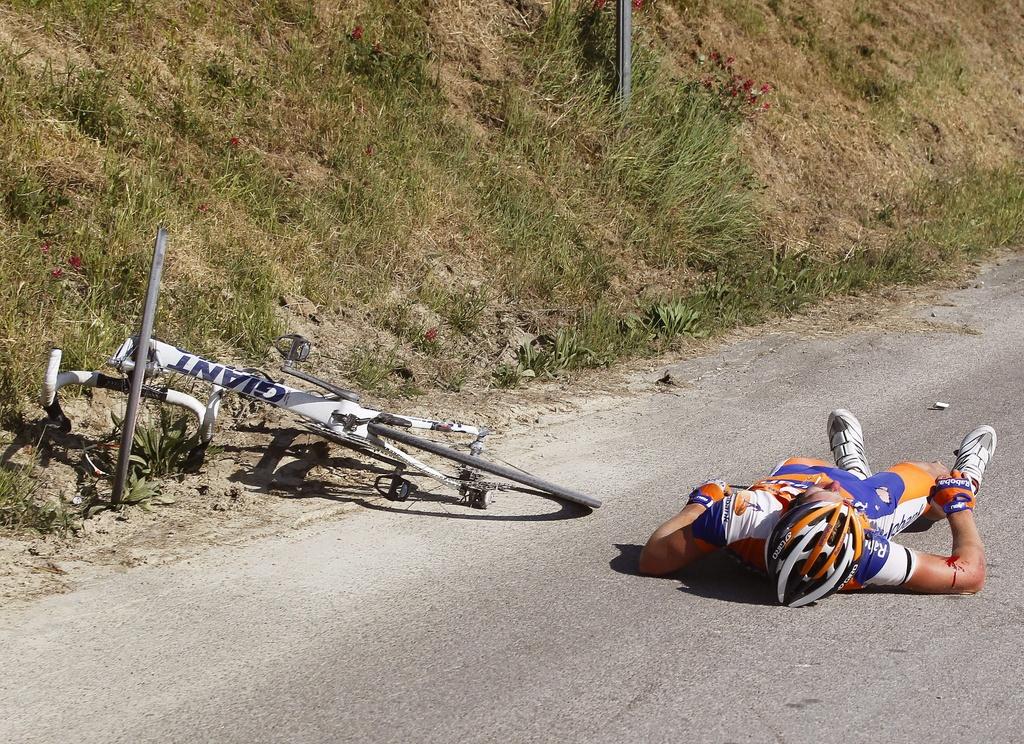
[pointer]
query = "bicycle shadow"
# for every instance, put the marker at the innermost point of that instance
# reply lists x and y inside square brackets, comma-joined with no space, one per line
[20,441]
[47,445]
[284,468]
[716,576]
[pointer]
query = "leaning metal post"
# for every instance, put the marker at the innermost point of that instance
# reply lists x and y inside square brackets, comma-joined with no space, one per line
[624,39]
[138,376]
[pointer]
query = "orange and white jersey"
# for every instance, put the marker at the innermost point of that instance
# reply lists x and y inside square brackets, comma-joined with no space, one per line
[743,520]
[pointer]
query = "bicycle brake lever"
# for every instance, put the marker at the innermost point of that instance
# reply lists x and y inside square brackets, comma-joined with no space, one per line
[298,347]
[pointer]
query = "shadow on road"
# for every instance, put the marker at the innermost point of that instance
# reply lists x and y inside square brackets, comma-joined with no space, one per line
[718,576]
[921,524]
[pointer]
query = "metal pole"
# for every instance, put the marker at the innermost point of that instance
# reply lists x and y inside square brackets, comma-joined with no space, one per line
[131,410]
[624,39]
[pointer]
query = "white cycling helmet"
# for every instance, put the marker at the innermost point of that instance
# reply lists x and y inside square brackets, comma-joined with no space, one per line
[814,550]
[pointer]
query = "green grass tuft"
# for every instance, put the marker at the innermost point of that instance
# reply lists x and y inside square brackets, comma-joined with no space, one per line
[968,216]
[22,508]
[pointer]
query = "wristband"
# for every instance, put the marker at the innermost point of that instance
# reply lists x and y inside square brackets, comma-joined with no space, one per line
[953,494]
[708,493]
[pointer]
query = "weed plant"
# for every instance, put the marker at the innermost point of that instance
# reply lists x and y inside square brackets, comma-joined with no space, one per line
[163,449]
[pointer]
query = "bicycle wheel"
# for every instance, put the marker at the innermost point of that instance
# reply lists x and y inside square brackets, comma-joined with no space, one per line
[516,476]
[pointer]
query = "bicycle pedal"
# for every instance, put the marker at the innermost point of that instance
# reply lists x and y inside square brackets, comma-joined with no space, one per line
[293,347]
[400,489]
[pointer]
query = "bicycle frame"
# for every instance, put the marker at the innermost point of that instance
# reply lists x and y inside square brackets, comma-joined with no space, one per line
[336,418]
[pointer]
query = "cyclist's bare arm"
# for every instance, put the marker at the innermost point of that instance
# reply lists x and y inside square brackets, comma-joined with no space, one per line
[673,546]
[962,572]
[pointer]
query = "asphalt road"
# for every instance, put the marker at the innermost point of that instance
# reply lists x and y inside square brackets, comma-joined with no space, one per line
[527,623]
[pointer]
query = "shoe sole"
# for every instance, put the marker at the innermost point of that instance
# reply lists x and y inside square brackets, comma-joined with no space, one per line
[841,421]
[973,443]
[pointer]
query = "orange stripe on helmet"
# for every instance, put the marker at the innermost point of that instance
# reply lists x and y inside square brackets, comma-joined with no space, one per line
[859,525]
[811,517]
[823,541]
[840,538]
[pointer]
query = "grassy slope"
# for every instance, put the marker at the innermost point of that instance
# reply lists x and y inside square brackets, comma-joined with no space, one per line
[458,166]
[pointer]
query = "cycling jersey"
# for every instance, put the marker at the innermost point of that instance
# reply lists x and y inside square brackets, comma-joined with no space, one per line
[889,501]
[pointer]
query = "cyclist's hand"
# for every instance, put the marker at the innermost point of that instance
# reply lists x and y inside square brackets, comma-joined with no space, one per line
[953,494]
[709,493]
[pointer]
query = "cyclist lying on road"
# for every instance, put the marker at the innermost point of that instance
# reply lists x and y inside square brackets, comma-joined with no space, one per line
[816,529]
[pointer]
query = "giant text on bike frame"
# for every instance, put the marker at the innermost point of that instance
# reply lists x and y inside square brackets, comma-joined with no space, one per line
[220,374]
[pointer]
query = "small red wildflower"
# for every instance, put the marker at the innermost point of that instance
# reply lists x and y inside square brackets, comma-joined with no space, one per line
[235,141]
[766,105]
[748,84]
[45,246]
[204,207]
[357,33]
[729,61]
[599,4]
[57,273]
[766,88]
[716,56]
[370,151]
[431,335]
[708,82]
[638,4]
[75,262]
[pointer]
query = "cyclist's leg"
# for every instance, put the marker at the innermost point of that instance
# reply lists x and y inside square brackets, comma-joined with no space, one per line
[914,487]
[918,484]
[807,461]
[932,469]
[796,470]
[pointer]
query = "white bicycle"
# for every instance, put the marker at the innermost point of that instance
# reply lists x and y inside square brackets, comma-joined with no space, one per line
[335,414]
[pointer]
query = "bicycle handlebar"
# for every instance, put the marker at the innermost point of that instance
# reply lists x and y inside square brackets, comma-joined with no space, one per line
[50,380]
[54,380]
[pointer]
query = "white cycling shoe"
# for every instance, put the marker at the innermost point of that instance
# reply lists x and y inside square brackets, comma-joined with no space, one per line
[974,453]
[846,439]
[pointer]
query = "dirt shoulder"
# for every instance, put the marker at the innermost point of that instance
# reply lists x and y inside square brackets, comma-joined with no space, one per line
[267,476]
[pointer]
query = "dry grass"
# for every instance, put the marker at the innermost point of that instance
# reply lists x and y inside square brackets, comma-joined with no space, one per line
[875,98]
[460,167]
